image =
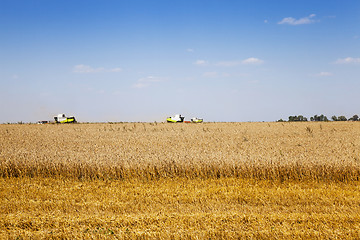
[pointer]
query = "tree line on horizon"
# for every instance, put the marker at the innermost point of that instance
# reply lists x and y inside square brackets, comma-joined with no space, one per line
[320,118]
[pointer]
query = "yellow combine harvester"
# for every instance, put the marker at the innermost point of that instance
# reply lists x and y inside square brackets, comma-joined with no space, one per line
[178,118]
[61,118]
[175,119]
[197,120]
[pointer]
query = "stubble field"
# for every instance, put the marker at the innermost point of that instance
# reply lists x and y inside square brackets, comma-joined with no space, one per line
[180,181]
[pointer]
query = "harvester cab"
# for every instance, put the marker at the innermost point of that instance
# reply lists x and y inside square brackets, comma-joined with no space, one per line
[176,118]
[61,118]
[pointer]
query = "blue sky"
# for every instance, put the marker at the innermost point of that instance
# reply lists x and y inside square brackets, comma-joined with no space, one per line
[145,60]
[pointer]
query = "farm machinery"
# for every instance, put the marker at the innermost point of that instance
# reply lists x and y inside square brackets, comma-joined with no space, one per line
[197,120]
[178,118]
[61,118]
[175,119]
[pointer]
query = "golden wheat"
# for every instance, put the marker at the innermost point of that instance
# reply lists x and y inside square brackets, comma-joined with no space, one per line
[276,151]
[180,181]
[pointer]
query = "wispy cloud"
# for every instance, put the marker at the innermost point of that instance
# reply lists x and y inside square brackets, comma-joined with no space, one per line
[115,70]
[324,74]
[210,74]
[251,60]
[215,75]
[348,60]
[147,81]
[293,21]
[190,50]
[201,63]
[150,79]
[85,69]
[81,68]
[140,85]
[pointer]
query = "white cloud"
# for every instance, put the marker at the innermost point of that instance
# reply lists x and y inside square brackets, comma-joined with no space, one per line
[150,79]
[190,50]
[81,68]
[266,21]
[216,75]
[140,85]
[115,70]
[252,60]
[147,81]
[348,60]
[292,21]
[248,61]
[324,74]
[210,74]
[201,63]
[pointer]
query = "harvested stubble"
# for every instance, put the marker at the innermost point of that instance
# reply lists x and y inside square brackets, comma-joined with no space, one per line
[264,151]
[228,208]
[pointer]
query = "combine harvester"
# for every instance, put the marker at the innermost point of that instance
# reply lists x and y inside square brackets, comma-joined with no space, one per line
[175,119]
[197,120]
[178,118]
[61,118]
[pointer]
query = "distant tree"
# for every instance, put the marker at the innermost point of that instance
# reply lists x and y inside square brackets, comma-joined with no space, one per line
[321,118]
[299,118]
[354,118]
[314,118]
[280,120]
[342,118]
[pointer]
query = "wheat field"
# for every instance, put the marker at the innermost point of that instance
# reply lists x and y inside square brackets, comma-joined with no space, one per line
[180,181]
